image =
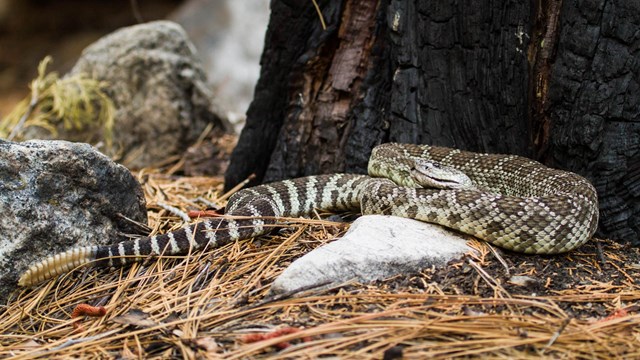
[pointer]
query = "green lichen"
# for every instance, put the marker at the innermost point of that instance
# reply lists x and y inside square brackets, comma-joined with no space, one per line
[75,103]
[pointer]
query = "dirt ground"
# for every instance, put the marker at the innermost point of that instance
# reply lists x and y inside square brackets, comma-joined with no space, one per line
[600,266]
[217,304]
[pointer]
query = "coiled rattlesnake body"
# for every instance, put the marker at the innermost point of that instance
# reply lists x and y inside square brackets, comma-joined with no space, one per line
[507,200]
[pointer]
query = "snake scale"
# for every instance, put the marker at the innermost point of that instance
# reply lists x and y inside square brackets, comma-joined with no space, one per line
[506,200]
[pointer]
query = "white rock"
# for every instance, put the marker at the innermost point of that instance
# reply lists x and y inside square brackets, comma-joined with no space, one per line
[375,247]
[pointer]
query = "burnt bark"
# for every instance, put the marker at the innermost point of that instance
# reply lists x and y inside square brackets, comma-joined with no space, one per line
[594,107]
[295,44]
[552,80]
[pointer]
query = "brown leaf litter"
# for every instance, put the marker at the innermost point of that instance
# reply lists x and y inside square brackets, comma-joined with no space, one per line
[216,304]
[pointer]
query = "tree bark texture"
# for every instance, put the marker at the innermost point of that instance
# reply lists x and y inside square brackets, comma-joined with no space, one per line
[554,80]
[593,107]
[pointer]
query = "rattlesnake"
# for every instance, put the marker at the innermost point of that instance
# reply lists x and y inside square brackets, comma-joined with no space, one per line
[507,200]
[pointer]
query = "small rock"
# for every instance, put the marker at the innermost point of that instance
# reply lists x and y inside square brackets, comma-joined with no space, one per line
[55,195]
[375,247]
[521,280]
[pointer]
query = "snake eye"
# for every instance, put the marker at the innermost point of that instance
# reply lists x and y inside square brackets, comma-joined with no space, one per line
[430,165]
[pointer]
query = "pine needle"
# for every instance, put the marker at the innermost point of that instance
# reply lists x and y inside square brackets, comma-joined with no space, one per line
[218,297]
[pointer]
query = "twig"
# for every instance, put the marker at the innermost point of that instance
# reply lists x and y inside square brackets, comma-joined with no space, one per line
[136,11]
[493,283]
[556,334]
[144,227]
[237,187]
[603,261]
[500,259]
[81,340]
[203,214]
[321,287]
[256,337]
[315,4]
[201,274]
[32,105]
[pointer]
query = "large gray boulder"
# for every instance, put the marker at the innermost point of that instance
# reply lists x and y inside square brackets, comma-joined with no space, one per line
[158,88]
[55,195]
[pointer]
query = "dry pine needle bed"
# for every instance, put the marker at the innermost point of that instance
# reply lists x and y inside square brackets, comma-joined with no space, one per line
[216,304]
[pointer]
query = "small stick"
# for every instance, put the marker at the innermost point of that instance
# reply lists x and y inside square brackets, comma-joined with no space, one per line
[493,283]
[603,261]
[251,338]
[81,340]
[202,213]
[27,113]
[136,11]
[237,187]
[500,259]
[142,226]
[556,334]
[290,293]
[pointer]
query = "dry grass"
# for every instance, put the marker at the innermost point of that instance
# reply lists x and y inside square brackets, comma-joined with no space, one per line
[204,305]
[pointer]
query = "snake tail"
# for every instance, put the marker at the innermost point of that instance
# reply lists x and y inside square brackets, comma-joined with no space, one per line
[250,214]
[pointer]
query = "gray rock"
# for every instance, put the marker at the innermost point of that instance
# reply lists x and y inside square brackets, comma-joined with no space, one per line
[158,88]
[375,247]
[55,195]
[521,280]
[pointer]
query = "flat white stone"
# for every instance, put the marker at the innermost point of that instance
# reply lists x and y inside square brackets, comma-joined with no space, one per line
[375,247]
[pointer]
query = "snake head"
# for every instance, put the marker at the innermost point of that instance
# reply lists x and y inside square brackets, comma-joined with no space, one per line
[429,174]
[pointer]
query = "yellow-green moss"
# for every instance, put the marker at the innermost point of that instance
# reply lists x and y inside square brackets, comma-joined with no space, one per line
[76,102]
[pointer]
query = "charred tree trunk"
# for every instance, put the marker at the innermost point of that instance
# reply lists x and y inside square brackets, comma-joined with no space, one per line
[593,107]
[549,79]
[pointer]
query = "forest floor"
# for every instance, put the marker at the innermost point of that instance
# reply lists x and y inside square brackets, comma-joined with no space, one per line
[216,304]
